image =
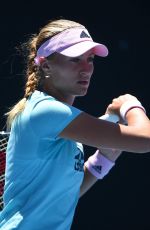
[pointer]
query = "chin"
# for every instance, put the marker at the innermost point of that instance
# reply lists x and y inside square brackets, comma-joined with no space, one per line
[81,94]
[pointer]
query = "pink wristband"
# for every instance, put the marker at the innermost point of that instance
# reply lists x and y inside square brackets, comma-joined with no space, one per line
[130,105]
[99,165]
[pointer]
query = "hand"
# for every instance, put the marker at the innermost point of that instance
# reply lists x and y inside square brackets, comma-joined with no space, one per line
[116,104]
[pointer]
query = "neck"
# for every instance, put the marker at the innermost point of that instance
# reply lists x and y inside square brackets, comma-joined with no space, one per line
[58,94]
[69,99]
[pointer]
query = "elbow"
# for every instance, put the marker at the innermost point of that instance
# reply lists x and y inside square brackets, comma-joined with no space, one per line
[146,141]
[142,140]
[144,150]
[144,146]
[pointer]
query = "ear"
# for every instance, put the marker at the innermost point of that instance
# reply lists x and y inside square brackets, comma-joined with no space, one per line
[45,65]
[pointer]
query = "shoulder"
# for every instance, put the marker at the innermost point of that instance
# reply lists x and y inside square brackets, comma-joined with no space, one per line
[42,103]
[50,115]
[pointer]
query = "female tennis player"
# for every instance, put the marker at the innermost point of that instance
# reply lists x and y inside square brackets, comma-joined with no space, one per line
[45,169]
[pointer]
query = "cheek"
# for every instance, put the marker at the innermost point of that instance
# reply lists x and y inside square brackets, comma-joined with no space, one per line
[61,69]
[61,76]
[91,69]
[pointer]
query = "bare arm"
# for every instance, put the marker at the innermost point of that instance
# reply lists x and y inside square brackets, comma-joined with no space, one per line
[98,133]
[89,180]
[102,134]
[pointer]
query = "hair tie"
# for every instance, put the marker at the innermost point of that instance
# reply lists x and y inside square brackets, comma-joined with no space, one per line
[38,60]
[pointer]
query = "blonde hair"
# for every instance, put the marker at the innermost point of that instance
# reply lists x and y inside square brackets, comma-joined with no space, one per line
[33,73]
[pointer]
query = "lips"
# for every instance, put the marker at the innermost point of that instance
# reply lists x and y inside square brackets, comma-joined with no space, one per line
[83,82]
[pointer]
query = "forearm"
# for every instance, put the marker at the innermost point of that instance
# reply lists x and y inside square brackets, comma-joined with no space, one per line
[134,137]
[105,161]
[88,181]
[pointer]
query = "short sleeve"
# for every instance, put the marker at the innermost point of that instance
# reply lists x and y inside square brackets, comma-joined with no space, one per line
[49,117]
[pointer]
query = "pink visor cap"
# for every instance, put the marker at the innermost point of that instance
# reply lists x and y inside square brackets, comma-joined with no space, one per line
[71,42]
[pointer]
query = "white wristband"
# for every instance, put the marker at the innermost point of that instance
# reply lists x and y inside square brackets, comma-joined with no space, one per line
[130,105]
[99,165]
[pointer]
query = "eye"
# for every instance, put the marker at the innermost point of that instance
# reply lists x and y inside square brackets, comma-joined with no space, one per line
[76,59]
[91,59]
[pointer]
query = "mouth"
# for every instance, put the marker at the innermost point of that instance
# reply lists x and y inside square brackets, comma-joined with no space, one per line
[83,82]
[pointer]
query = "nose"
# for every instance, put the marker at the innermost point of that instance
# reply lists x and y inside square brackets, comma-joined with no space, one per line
[86,69]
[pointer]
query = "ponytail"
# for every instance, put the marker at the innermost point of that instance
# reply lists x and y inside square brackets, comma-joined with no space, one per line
[15,110]
[31,84]
[34,73]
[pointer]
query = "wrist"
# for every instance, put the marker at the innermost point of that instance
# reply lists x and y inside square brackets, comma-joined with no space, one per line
[128,105]
[99,165]
[110,154]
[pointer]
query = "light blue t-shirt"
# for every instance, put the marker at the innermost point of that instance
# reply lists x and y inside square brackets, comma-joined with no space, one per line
[43,171]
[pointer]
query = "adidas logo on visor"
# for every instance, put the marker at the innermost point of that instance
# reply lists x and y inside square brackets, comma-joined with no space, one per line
[84,35]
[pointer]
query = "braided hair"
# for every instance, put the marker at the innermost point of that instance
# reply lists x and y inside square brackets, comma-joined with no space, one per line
[34,73]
